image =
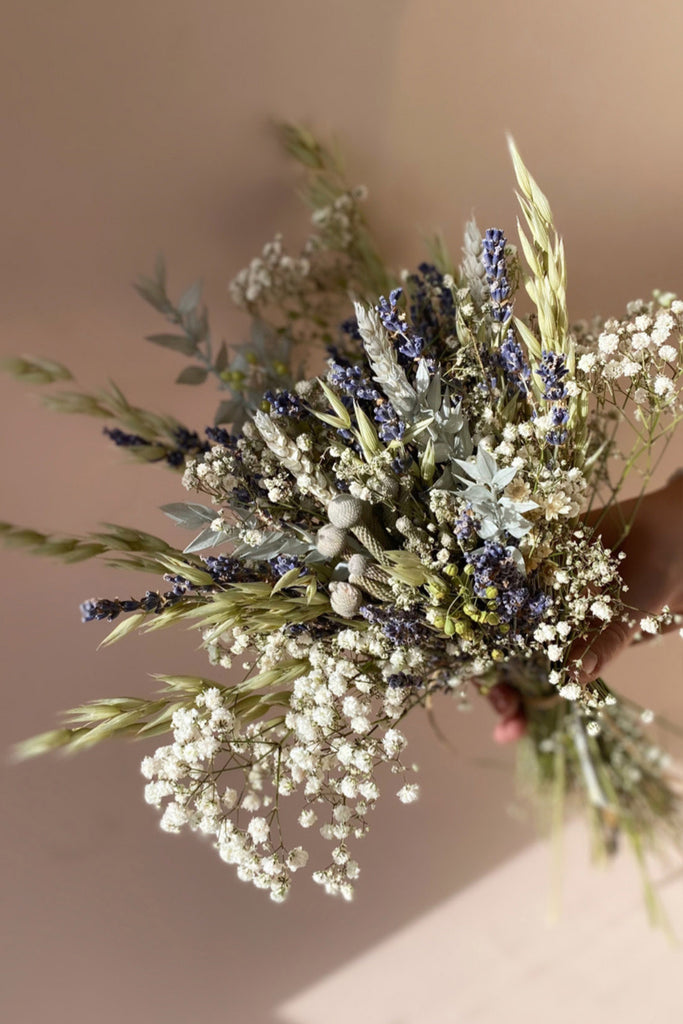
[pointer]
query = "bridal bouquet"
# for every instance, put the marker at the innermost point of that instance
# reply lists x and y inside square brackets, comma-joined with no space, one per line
[417,518]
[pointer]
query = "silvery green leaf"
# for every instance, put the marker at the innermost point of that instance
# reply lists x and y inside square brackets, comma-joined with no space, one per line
[189,300]
[422,379]
[433,396]
[503,477]
[521,506]
[276,543]
[192,375]
[486,465]
[207,539]
[188,514]
[488,529]
[469,467]
[177,342]
[517,558]
[445,481]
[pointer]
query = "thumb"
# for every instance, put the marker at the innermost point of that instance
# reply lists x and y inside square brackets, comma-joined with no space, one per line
[599,648]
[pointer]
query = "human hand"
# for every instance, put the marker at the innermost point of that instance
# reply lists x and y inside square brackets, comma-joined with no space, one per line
[653,572]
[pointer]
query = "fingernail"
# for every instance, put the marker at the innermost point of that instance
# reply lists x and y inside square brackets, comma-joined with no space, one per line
[589,663]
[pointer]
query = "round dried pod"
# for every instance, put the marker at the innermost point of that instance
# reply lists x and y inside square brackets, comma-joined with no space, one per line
[345,599]
[330,541]
[346,511]
[359,565]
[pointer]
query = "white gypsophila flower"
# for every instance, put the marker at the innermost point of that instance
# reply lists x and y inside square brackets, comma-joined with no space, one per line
[570,691]
[629,367]
[663,385]
[668,353]
[554,652]
[640,341]
[664,325]
[649,624]
[608,343]
[393,742]
[601,610]
[297,858]
[259,830]
[409,793]
[640,396]
[587,362]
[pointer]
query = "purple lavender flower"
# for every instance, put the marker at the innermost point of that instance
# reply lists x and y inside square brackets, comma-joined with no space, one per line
[391,427]
[187,441]
[389,313]
[465,527]
[495,567]
[398,624]
[558,417]
[282,564]
[284,403]
[493,258]
[552,371]
[353,382]
[425,310]
[409,343]
[514,364]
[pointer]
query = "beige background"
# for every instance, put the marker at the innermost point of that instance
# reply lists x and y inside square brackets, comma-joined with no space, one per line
[141,126]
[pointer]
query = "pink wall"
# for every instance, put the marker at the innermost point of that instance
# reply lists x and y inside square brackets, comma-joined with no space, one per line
[141,126]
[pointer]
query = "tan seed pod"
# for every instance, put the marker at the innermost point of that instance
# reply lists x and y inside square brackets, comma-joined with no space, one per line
[346,511]
[359,565]
[330,541]
[345,599]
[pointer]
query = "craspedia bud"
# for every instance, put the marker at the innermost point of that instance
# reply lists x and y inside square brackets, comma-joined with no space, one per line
[345,599]
[359,565]
[346,511]
[330,541]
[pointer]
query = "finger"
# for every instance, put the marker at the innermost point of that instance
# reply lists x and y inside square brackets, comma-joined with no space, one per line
[510,729]
[594,654]
[505,699]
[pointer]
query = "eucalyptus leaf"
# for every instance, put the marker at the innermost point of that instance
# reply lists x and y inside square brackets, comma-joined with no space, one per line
[189,300]
[176,342]
[221,360]
[188,514]
[208,538]
[192,375]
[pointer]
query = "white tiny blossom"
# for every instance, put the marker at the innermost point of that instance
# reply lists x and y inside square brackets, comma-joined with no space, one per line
[554,652]
[297,858]
[408,793]
[570,691]
[649,624]
[668,353]
[640,341]
[587,362]
[608,343]
[258,830]
[663,385]
[601,610]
